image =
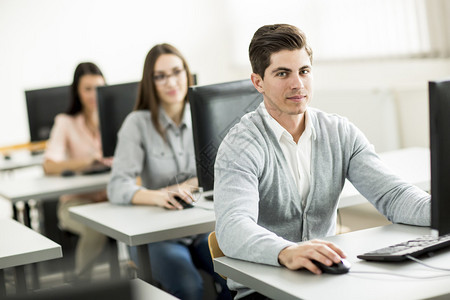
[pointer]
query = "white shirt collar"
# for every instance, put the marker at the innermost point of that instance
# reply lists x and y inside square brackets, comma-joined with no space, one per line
[280,130]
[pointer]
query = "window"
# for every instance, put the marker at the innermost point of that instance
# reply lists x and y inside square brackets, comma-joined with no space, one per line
[369,29]
[352,29]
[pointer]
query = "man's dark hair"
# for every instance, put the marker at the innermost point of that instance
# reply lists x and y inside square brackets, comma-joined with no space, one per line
[271,39]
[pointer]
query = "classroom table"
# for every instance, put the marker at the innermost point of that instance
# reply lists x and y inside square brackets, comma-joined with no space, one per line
[412,164]
[137,225]
[22,162]
[281,283]
[21,190]
[19,246]
[18,189]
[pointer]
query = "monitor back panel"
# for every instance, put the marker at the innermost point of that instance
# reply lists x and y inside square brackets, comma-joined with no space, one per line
[215,109]
[115,102]
[42,106]
[439,96]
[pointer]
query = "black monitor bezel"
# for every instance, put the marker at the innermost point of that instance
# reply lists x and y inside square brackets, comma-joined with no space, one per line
[199,96]
[439,118]
[114,103]
[53,100]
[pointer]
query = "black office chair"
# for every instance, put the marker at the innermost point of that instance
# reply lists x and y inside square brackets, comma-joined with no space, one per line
[215,109]
[115,102]
[42,107]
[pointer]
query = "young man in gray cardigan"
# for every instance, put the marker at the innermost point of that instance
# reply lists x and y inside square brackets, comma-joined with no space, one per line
[280,171]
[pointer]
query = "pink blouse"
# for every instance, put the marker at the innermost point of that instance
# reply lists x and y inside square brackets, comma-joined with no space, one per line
[70,138]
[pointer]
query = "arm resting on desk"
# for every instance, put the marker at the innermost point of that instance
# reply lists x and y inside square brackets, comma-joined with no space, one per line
[56,167]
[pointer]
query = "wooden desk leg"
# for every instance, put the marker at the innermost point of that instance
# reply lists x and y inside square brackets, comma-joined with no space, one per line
[114,264]
[144,268]
[2,284]
[21,283]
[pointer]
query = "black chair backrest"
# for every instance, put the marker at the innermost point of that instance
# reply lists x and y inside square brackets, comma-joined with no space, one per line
[215,109]
[115,102]
[43,105]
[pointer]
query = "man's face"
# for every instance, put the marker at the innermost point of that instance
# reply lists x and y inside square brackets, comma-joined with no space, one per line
[287,83]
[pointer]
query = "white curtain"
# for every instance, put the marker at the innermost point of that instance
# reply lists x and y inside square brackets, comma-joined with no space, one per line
[352,29]
[369,28]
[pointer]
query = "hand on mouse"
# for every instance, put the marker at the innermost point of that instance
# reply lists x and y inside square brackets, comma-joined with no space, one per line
[168,199]
[184,190]
[159,198]
[181,198]
[106,161]
[163,198]
[300,255]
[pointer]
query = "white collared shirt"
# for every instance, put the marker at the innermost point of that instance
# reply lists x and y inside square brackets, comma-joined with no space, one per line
[298,155]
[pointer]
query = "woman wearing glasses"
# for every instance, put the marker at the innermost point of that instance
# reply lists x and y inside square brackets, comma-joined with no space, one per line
[155,143]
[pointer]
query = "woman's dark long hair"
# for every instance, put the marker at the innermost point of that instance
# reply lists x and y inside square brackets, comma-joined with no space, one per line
[147,96]
[85,68]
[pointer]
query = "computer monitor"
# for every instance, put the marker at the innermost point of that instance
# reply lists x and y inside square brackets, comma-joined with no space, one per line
[115,102]
[43,105]
[439,109]
[215,109]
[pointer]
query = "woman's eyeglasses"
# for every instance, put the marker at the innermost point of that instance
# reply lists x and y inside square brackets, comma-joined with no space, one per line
[162,78]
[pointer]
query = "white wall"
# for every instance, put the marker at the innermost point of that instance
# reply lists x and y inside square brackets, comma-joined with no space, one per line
[405,80]
[42,41]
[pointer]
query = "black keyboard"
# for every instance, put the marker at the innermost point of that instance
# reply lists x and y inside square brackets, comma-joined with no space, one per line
[414,248]
[96,169]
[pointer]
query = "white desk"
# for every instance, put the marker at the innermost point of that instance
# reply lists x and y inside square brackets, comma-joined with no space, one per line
[51,186]
[19,245]
[281,283]
[411,164]
[47,187]
[22,162]
[139,225]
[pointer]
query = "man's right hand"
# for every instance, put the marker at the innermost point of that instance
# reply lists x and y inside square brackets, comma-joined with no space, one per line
[300,255]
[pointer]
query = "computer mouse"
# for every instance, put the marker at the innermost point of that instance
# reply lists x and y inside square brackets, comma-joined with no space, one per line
[67,173]
[336,268]
[209,197]
[183,203]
